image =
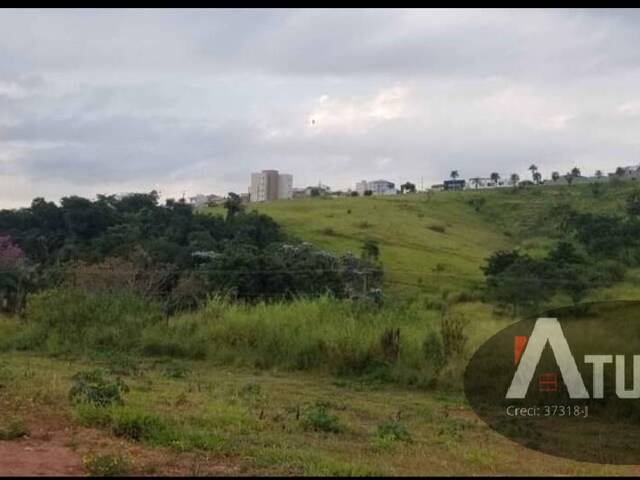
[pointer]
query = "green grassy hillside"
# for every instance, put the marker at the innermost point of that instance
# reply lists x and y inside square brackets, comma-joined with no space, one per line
[437,242]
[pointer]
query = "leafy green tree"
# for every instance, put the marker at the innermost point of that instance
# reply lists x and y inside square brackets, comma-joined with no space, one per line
[454,174]
[233,205]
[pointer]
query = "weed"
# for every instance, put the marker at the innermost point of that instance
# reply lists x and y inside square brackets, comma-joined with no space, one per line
[107,465]
[91,386]
[176,370]
[393,430]
[320,420]
[14,429]
[136,425]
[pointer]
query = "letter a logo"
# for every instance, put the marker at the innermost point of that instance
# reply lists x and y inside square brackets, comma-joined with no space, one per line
[547,330]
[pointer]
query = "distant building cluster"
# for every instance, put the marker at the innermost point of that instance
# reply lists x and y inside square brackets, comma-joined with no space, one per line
[206,200]
[376,187]
[270,185]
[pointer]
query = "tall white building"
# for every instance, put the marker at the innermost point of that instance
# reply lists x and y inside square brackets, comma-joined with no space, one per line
[270,185]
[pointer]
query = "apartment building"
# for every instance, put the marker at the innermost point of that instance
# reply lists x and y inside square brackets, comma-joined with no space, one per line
[270,185]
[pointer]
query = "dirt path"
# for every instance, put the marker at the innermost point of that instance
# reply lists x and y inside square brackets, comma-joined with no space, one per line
[29,457]
[45,451]
[54,447]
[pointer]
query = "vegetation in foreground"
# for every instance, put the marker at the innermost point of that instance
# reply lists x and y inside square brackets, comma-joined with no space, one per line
[262,422]
[437,307]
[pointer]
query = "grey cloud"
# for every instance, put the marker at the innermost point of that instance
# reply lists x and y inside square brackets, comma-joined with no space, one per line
[197,99]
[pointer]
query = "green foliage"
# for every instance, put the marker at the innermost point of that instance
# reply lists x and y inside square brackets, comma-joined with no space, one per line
[393,430]
[137,425]
[319,419]
[12,429]
[94,387]
[107,464]
[70,320]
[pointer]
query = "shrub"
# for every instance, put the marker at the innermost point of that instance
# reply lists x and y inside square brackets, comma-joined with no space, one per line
[320,420]
[393,430]
[14,429]
[107,465]
[91,386]
[136,425]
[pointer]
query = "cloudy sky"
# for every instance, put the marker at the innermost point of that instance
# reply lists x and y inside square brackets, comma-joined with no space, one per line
[113,101]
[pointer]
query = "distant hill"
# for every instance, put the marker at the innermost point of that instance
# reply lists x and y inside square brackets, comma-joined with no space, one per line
[438,242]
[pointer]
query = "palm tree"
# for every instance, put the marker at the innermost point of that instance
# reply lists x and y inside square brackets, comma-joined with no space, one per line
[533,168]
[620,171]
[575,171]
[599,174]
[515,178]
[495,176]
[454,174]
[555,176]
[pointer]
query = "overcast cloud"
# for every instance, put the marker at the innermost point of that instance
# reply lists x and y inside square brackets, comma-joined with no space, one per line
[194,101]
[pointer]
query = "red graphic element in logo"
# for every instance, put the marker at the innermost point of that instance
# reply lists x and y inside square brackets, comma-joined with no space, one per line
[548,382]
[518,346]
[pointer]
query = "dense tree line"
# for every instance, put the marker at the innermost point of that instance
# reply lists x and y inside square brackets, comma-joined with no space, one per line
[168,251]
[595,253]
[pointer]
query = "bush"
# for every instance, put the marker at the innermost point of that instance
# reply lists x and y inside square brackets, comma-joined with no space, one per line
[320,420]
[393,430]
[14,429]
[137,426]
[107,465]
[91,386]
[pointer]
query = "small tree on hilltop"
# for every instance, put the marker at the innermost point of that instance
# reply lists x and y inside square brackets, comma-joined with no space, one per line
[233,205]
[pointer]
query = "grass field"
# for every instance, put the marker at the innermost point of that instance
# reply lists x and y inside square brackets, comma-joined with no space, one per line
[436,243]
[276,388]
[241,421]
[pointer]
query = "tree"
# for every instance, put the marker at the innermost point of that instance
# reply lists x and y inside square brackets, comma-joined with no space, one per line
[555,176]
[533,168]
[575,171]
[569,178]
[408,187]
[233,205]
[599,174]
[537,177]
[368,193]
[515,178]
[495,176]
[620,172]
[475,181]
[454,174]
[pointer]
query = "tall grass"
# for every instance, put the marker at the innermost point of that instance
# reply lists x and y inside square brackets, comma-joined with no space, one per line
[324,334]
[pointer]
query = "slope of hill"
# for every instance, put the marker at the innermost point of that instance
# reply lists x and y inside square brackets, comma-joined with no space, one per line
[438,242]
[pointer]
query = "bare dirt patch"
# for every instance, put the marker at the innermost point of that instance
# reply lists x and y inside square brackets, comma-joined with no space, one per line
[54,447]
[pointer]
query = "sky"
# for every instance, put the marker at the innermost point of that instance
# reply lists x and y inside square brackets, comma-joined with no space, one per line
[193,101]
